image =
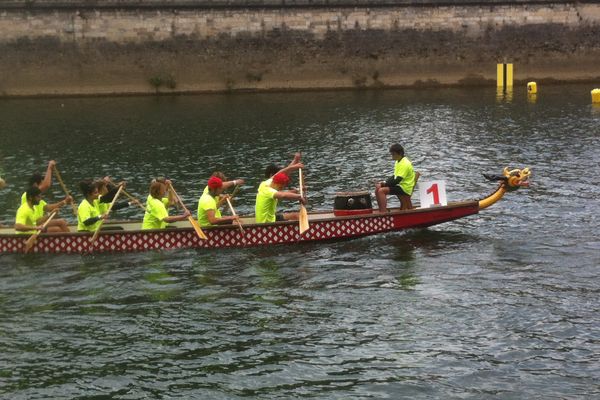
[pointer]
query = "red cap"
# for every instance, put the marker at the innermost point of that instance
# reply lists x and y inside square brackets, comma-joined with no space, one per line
[215,183]
[281,179]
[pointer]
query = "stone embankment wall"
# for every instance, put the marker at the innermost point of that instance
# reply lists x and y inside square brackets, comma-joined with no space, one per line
[52,47]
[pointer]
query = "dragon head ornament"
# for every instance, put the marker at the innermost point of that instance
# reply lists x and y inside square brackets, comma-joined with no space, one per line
[513,179]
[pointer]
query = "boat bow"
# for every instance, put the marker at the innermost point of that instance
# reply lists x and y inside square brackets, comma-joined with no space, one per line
[509,181]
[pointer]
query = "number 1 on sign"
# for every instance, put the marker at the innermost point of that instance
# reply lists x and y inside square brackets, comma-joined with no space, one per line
[432,193]
[433,189]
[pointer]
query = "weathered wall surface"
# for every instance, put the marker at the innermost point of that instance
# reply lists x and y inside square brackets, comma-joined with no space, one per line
[52,48]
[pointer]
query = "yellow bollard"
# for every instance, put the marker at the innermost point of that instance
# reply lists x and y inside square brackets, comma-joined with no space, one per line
[532,88]
[504,76]
[500,75]
[596,96]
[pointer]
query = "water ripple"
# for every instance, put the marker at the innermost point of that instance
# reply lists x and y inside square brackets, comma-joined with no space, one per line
[498,305]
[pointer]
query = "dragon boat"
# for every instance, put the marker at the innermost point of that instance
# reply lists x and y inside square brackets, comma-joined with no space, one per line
[126,236]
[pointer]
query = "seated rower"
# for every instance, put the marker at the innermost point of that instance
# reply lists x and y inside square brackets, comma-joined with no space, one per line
[32,214]
[273,169]
[221,202]
[94,207]
[269,193]
[401,184]
[208,204]
[157,213]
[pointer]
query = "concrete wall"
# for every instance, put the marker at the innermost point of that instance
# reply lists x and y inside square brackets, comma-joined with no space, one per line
[155,4]
[91,50]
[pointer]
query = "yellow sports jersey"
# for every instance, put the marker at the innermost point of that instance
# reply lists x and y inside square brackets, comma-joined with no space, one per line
[205,203]
[86,211]
[37,209]
[156,211]
[403,168]
[25,216]
[266,203]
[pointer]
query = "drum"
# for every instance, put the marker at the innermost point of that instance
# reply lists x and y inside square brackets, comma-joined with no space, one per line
[352,203]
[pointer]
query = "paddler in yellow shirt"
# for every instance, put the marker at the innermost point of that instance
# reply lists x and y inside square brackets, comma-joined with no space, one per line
[269,193]
[208,204]
[157,213]
[41,209]
[31,215]
[94,207]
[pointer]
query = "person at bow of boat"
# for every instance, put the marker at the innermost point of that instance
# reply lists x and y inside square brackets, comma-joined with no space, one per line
[401,184]
[32,214]
[157,213]
[208,204]
[94,207]
[269,194]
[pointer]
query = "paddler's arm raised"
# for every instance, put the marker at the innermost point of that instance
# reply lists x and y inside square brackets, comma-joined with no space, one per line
[235,182]
[294,165]
[47,181]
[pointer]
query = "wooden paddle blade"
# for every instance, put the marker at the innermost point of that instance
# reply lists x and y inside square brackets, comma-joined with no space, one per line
[303,219]
[33,238]
[31,242]
[197,228]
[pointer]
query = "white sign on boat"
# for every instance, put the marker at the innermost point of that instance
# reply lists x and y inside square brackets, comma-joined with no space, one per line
[432,194]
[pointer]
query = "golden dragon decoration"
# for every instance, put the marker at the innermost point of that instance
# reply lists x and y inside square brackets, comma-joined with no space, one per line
[509,181]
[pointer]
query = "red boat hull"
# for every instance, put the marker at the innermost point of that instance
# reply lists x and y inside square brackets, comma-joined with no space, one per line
[321,229]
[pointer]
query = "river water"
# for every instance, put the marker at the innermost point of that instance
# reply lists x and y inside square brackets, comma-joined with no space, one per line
[504,304]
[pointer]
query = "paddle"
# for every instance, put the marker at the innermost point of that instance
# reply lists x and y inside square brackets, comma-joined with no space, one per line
[303,216]
[130,197]
[235,191]
[33,238]
[193,222]
[64,188]
[234,214]
[107,213]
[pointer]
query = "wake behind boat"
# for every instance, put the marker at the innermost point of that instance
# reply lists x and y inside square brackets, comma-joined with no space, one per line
[127,236]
